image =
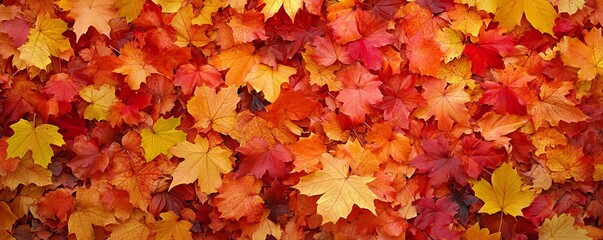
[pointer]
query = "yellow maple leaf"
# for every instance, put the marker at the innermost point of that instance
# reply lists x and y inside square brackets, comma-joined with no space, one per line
[569,6]
[89,212]
[37,139]
[272,6]
[163,136]
[457,71]
[339,190]
[169,6]
[474,232]
[262,229]
[586,57]
[186,32]
[452,43]
[468,22]
[268,80]
[171,228]
[134,66]
[486,5]
[100,101]
[201,163]
[45,39]
[540,13]
[133,228]
[91,13]
[210,7]
[561,227]
[322,75]
[215,110]
[554,106]
[130,9]
[239,60]
[504,194]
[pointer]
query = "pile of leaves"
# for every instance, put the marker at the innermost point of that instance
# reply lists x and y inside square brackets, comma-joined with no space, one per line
[291,119]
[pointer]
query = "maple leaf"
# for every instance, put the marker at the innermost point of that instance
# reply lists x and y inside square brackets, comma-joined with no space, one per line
[134,66]
[37,139]
[436,216]
[261,157]
[239,198]
[201,163]
[493,127]
[247,26]
[374,35]
[100,101]
[362,161]
[389,143]
[169,6]
[510,93]
[264,228]
[438,163]
[91,13]
[561,227]
[567,162]
[56,206]
[487,51]
[553,106]
[163,136]
[272,6]
[424,55]
[215,110]
[447,104]
[171,228]
[474,232]
[338,189]
[504,194]
[130,173]
[62,87]
[44,40]
[27,172]
[466,21]
[322,75]
[189,76]
[89,158]
[186,32]
[451,43]
[399,99]
[540,13]
[307,153]
[326,52]
[163,95]
[129,8]
[239,60]
[361,91]
[268,80]
[569,6]
[586,57]
[457,71]
[89,212]
[132,228]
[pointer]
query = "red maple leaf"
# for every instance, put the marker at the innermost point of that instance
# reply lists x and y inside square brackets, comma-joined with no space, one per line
[261,157]
[487,51]
[436,216]
[438,163]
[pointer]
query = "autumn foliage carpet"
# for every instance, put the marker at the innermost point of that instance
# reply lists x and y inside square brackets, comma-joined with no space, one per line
[301,119]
